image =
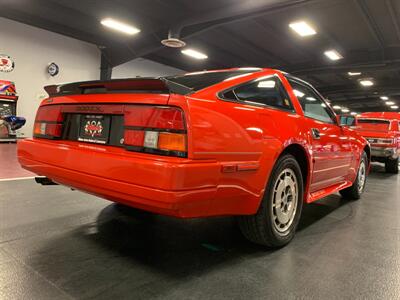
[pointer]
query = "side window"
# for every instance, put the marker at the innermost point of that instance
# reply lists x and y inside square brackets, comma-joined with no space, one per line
[313,106]
[268,91]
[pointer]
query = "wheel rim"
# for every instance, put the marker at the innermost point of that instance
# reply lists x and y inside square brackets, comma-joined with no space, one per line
[284,200]
[361,176]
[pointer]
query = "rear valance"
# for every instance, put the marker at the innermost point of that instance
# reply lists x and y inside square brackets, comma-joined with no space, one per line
[132,85]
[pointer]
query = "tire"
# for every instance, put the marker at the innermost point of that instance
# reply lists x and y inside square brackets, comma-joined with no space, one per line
[392,166]
[355,191]
[267,227]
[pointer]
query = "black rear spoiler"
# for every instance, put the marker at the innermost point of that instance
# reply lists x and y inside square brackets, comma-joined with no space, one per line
[131,85]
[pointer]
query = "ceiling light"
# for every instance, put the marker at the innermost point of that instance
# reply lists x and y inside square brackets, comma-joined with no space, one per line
[353,113]
[173,43]
[249,69]
[354,73]
[345,110]
[384,98]
[302,28]
[394,107]
[336,107]
[333,55]
[311,99]
[116,25]
[195,54]
[367,82]
[389,103]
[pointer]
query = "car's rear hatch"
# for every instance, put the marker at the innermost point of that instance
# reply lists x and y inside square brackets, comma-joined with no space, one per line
[130,113]
[376,131]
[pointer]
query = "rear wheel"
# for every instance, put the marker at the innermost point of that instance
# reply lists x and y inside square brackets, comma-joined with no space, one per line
[275,223]
[356,190]
[392,165]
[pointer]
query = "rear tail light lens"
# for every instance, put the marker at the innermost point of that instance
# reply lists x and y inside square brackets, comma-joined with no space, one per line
[48,122]
[155,129]
[172,141]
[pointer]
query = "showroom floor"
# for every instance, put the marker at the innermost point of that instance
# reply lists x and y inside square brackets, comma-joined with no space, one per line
[61,244]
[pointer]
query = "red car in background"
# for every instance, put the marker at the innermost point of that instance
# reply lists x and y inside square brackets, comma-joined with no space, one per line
[255,143]
[382,130]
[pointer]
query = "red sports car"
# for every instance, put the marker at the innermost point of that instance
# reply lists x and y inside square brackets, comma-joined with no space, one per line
[382,130]
[256,143]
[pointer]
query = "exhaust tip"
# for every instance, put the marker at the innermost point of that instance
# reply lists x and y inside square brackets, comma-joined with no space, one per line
[44,181]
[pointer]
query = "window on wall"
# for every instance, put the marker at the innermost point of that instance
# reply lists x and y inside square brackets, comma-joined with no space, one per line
[267,91]
[312,104]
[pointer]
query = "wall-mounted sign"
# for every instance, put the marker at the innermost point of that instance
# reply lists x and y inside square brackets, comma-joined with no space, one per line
[6,63]
[53,69]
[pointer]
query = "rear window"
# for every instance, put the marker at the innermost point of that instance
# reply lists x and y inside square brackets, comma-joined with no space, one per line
[373,124]
[201,80]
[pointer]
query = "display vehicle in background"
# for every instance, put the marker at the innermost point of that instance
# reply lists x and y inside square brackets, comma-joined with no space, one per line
[9,123]
[382,130]
[254,143]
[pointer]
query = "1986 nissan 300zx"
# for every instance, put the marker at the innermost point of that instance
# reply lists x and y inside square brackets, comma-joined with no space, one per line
[255,143]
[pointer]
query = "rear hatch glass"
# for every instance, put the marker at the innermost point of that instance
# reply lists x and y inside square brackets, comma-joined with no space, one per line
[200,80]
[373,125]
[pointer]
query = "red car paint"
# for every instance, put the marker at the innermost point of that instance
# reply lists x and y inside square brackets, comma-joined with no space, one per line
[382,130]
[231,149]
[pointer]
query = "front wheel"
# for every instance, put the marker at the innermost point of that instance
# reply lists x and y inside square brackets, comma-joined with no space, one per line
[356,190]
[392,166]
[275,223]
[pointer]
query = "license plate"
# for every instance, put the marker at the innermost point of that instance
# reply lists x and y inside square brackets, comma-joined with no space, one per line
[94,129]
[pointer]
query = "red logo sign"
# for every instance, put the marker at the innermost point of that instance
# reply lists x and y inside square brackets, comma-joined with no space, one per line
[93,128]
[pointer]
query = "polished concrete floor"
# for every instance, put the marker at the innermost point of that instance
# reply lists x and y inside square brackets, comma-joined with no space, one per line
[59,244]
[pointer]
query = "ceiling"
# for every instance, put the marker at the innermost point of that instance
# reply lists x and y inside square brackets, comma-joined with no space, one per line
[237,33]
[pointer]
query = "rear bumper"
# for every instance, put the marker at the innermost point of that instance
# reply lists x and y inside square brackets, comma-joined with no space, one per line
[384,152]
[171,186]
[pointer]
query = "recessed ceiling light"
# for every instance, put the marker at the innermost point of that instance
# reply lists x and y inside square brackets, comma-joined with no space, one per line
[333,55]
[366,82]
[384,98]
[249,69]
[302,28]
[195,54]
[354,73]
[119,26]
[345,110]
[394,107]
[336,107]
[389,103]
[353,113]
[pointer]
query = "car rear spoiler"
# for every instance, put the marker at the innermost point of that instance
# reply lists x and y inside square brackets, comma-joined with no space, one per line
[131,85]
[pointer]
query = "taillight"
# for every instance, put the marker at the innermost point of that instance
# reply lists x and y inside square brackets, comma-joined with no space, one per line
[155,129]
[48,122]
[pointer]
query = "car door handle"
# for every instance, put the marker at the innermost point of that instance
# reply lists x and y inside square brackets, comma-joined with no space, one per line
[315,133]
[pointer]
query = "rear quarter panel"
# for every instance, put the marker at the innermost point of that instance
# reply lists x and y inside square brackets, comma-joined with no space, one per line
[239,135]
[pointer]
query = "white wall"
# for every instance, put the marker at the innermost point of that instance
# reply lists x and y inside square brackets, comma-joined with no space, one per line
[145,68]
[32,50]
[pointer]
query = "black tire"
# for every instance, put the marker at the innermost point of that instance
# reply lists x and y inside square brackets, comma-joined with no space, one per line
[261,228]
[392,166]
[355,191]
